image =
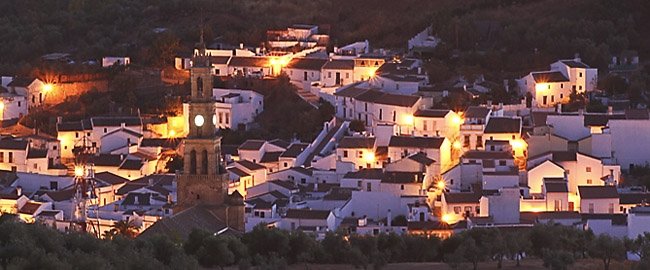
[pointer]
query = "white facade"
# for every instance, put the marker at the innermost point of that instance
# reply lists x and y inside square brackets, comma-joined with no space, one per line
[236,107]
[554,86]
[109,61]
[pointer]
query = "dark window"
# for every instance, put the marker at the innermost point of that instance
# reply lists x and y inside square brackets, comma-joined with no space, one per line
[199,86]
[192,162]
[54,185]
[11,157]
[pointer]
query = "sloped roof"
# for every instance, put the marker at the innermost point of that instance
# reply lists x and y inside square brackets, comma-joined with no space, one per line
[503,125]
[252,145]
[339,64]
[634,198]
[30,208]
[416,142]
[107,160]
[280,143]
[357,142]
[125,130]
[307,214]
[549,77]
[294,150]
[574,64]
[431,113]
[556,185]
[74,126]
[110,178]
[160,142]
[307,63]
[598,192]
[462,197]
[238,172]
[351,91]
[422,158]
[402,177]
[21,82]
[183,223]
[250,165]
[377,174]
[131,164]
[36,153]
[61,195]
[270,157]
[476,112]
[13,144]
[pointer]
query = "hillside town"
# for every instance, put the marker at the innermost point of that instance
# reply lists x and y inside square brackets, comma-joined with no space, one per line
[396,154]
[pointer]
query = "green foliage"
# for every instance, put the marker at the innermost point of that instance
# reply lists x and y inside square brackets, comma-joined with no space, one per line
[35,246]
[357,126]
[606,248]
[557,259]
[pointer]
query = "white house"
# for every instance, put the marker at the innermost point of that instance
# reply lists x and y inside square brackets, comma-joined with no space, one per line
[236,108]
[375,107]
[12,106]
[555,85]
[34,90]
[109,61]
[304,71]
[598,199]
[337,72]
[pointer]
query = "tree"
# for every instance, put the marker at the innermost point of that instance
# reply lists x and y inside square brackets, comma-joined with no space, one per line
[517,243]
[640,246]
[557,259]
[125,228]
[357,126]
[471,251]
[214,252]
[496,246]
[607,248]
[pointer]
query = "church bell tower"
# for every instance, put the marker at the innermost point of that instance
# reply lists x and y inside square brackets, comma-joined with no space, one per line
[204,180]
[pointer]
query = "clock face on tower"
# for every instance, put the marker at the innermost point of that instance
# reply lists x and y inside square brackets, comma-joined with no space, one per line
[198,120]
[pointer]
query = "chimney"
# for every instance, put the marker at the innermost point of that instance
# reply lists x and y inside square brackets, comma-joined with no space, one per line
[316,187]
[59,119]
[500,105]
[19,191]
[419,70]
[121,156]
[581,111]
[136,199]
[389,219]
[489,103]
[241,46]
[576,57]
[610,110]
[169,198]
[123,125]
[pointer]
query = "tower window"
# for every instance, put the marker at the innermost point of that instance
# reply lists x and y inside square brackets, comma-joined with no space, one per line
[199,86]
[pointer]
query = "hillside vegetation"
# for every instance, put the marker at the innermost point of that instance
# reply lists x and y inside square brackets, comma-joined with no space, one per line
[91,29]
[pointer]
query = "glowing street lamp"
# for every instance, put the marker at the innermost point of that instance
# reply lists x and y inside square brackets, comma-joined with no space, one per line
[457,145]
[447,218]
[48,88]
[441,184]
[78,171]
[541,86]
[369,157]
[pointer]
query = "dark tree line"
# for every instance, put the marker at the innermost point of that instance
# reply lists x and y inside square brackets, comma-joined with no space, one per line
[36,246]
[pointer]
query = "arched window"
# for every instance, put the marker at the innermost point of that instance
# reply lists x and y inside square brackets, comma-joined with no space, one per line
[204,162]
[199,86]
[192,162]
